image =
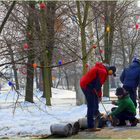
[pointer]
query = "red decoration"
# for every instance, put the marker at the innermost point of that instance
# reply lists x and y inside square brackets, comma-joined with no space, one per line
[32,6]
[42,5]
[101,51]
[94,46]
[29,34]
[34,65]
[25,46]
[86,65]
[137,25]
[103,18]
[23,70]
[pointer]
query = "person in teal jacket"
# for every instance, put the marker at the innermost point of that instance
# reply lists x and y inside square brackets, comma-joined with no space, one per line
[126,109]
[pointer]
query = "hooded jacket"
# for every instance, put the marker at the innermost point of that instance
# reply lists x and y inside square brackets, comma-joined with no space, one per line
[130,76]
[94,78]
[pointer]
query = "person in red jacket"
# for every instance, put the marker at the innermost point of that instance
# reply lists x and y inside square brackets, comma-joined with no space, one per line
[91,84]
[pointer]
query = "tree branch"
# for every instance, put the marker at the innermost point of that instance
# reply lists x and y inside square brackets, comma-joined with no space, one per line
[7,16]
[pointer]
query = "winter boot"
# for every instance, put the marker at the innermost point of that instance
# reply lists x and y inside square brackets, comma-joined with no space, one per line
[121,123]
[115,121]
[134,122]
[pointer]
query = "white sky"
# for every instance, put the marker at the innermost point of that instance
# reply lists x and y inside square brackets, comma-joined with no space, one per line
[30,119]
[138,3]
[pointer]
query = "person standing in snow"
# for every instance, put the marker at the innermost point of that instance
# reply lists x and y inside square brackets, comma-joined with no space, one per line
[130,79]
[125,110]
[91,84]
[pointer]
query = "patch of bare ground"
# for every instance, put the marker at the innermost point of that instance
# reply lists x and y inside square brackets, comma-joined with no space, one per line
[119,132]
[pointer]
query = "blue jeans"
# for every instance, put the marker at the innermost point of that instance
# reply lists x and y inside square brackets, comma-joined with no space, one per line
[92,106]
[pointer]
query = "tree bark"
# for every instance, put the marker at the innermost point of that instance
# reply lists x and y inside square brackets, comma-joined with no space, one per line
[13,64]
[7,16]
[108,40]
[30,56]
[82,25]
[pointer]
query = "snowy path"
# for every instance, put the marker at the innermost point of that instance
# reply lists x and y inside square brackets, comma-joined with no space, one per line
[36,119]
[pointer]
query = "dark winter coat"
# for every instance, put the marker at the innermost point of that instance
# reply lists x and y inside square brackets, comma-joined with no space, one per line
[94,78]
[124,104]
[130,76]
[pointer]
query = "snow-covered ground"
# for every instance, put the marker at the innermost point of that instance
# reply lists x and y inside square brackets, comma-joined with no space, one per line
[36,118]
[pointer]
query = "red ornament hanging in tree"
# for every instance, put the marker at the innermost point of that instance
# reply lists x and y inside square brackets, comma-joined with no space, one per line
[103,18]
[86,65]
[94,46]
[25,46]
[137,25]
[28,34]
[42,5]
[101,51]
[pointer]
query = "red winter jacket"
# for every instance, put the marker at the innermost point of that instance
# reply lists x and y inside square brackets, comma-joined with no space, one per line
[90,77]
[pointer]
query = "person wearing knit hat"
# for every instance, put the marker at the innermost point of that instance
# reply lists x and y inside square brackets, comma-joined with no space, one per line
[130,78]
[91,83]
[136,60]
[111,69]
[125,109]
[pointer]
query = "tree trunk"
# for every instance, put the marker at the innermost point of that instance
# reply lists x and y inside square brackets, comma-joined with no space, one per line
[41,81]
[122,46]
[13,65]
[82,25]
[7,16]
[67,78]
[50,21]
[46,81]
[80,97]
[37,78]
[47,26]
[30,56]
[29,82]
[108,40]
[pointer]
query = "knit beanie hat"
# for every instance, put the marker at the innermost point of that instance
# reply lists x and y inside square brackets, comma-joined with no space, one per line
[136,60]
[120,91]
[113,68]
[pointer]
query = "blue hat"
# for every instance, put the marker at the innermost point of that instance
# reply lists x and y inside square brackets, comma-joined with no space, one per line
[136,60]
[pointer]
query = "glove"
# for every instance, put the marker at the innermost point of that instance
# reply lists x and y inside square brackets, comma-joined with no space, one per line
[113,102]
[110,118]
[105,116]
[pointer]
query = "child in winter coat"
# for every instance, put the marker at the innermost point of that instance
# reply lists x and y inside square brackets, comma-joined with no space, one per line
[126,109]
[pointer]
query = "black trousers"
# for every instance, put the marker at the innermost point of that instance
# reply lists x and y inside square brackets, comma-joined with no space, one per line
[132,93]
[124,115]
